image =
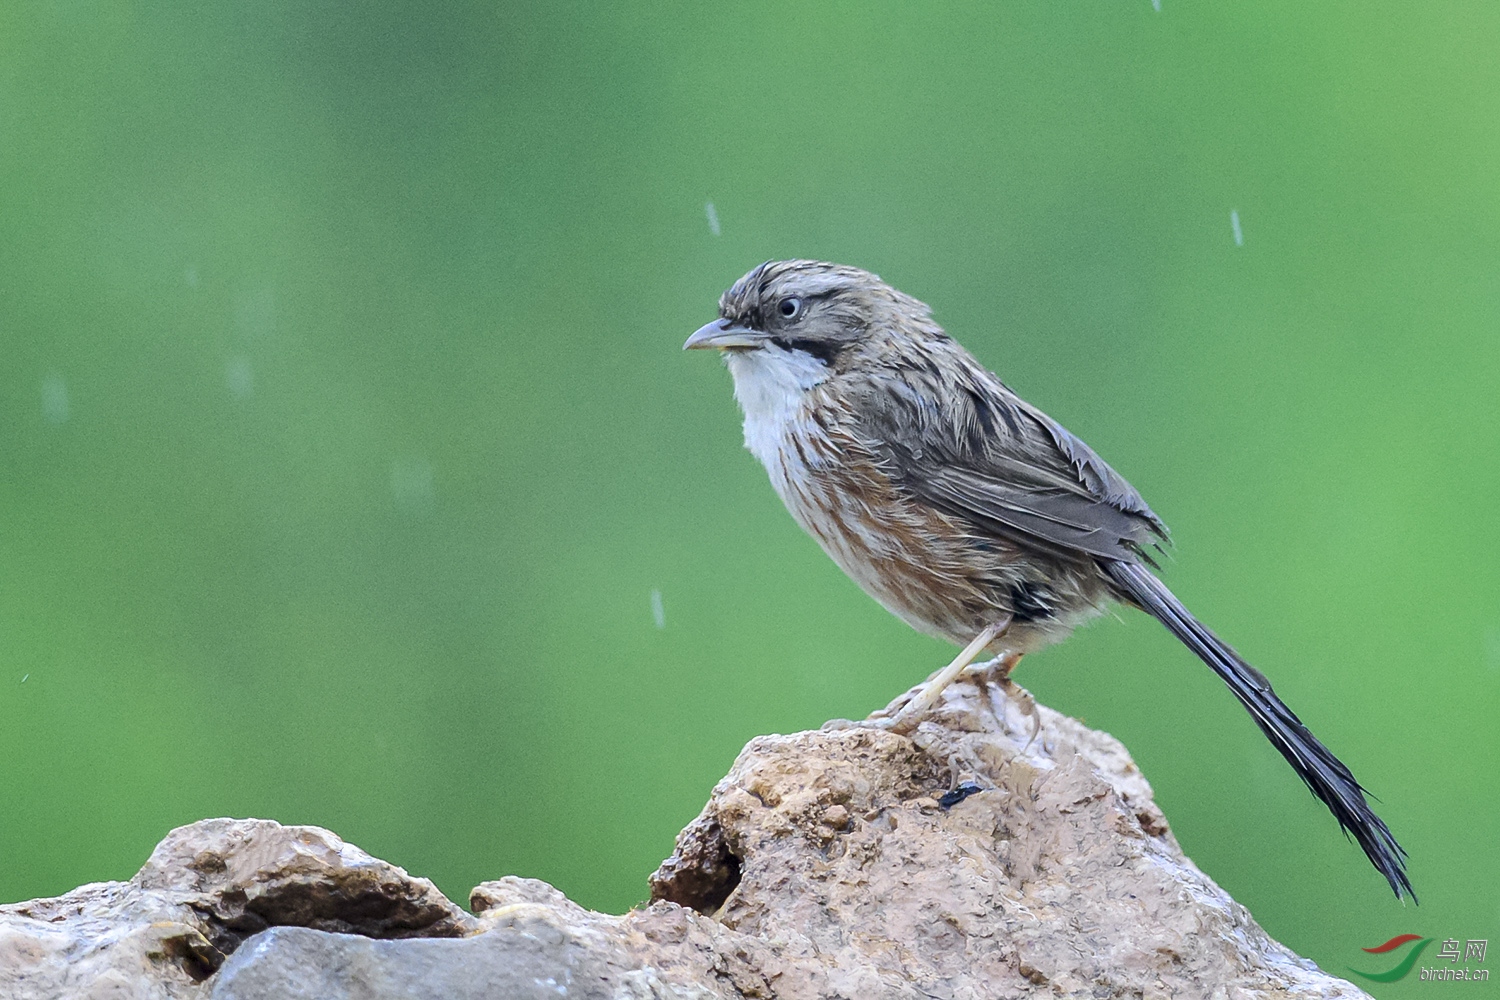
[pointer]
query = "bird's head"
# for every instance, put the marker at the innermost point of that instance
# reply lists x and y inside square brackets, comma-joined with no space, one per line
[828,313]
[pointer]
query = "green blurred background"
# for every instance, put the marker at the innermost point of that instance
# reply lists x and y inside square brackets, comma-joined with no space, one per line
[345,434]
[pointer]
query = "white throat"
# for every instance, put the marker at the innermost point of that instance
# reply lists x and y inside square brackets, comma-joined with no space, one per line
[771,386]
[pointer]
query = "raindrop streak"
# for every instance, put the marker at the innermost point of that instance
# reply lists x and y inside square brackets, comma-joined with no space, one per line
[240,377]
[255,312]
[658,613]
[1156,5]
[1492,647]
[24,679]
[411,484]
[1234,223]
[713,217]
[55,400]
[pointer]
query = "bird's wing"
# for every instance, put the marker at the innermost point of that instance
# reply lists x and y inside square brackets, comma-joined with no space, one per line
[964,443]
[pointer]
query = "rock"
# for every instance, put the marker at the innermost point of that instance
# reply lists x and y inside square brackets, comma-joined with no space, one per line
[1059,876]
[204,890]
[966,861]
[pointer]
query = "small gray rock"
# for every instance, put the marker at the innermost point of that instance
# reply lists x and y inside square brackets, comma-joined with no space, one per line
[293,963]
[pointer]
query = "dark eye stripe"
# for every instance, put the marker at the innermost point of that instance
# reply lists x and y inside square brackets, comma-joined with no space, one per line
[824,350]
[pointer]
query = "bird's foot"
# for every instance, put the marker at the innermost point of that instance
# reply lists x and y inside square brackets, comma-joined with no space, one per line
[919,702]
[1023,699]
[888,723]
[996,669]
[984,669]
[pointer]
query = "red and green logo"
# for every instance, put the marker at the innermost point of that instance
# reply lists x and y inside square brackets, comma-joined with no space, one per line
[1402,967]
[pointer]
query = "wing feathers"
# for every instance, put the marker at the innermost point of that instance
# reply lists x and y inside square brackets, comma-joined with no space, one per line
[984,455]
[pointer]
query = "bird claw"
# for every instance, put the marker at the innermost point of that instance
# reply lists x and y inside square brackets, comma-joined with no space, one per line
[1015,692]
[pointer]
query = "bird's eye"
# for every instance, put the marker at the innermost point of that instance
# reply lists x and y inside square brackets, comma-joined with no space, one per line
[789,307]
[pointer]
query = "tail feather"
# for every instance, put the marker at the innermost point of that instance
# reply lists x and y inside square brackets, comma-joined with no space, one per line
[1324,773]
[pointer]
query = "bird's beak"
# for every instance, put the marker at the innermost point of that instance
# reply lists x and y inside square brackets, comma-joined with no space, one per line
[723,333]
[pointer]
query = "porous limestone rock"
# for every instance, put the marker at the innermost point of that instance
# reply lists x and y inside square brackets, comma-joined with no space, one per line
[965,861]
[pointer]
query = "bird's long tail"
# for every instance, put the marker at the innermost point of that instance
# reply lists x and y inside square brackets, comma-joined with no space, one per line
[1324,773]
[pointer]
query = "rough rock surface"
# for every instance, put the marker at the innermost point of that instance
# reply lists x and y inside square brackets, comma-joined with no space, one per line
[962,862]
[204,890]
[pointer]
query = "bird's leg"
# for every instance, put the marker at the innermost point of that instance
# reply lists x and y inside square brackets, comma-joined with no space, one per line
[912,711]
[981,674]
[996,668]
[1004,665]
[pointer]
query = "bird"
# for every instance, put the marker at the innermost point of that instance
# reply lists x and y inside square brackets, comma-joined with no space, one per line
[961,508]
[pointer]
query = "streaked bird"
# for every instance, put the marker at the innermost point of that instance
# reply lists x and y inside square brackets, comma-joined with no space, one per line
[964,510]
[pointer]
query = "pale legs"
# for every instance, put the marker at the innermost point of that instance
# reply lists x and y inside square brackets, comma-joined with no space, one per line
[912,712]
[1001,666]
